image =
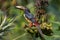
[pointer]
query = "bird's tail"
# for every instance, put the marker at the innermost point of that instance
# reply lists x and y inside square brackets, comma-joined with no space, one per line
[40,31]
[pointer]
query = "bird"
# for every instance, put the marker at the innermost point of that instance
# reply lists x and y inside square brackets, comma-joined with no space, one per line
[30,18]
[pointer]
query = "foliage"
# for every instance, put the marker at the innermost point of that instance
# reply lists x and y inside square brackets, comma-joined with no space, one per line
[16,31]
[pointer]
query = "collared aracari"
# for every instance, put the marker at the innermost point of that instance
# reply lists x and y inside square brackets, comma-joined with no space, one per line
[32,19]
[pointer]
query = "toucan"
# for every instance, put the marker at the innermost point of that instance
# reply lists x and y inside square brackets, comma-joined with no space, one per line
[30,17]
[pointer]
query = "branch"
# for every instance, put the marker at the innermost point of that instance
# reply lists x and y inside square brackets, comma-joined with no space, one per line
[20,36]
[55,22]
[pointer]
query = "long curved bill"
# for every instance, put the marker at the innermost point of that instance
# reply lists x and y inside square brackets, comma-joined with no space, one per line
[20,7]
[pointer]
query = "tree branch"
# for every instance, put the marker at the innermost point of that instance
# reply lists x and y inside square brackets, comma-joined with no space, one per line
[20,36]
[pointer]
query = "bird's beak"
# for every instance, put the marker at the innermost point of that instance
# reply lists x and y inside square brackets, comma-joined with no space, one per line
[20,7]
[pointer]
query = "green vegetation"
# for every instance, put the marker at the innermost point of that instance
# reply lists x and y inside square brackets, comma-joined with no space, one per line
[15,16]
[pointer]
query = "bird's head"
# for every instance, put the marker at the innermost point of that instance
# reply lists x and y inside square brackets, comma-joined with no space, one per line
[21,7]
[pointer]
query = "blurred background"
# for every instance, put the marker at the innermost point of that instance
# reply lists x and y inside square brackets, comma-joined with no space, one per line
[14,19]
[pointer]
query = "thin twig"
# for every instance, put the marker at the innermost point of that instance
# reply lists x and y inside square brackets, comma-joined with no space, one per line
[20,36]
[55,22]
